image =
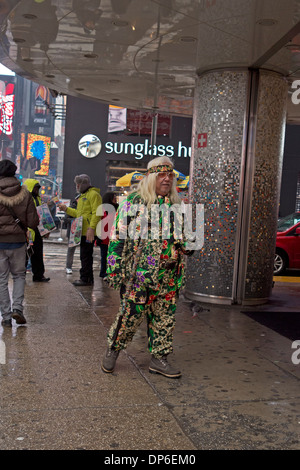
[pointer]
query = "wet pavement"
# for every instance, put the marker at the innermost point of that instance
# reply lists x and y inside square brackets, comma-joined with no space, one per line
[239,387]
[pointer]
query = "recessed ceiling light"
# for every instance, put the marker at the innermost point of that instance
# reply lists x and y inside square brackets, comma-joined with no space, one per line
[19,40]
[29,16]
[189,39]
[267,22]
[293,47]
[90,55]
[119,23]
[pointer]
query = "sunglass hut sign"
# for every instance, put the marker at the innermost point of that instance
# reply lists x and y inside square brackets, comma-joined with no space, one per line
[141,150]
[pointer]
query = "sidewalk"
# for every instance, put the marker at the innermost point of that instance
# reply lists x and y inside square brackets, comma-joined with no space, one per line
[239,388]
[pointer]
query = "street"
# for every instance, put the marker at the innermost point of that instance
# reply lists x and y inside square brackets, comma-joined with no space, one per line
[55,254]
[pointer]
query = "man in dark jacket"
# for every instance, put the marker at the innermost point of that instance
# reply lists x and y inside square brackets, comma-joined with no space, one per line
[15,204]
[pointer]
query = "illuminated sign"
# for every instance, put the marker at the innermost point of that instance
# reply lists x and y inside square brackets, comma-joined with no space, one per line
[136,122]
[89,146]
[141,150]
[38,146]
[40,114]
[116,119]
[7,104]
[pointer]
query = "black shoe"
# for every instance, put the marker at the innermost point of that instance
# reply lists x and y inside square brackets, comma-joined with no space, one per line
[42,279]
[6,322]
[109,360]
[80,282]
[19,317]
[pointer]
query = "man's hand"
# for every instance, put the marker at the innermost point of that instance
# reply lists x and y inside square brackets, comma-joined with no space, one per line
[62,207]
[90,235]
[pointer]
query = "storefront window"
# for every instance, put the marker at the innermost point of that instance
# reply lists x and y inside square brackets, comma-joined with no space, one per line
[115,169]
[137,122]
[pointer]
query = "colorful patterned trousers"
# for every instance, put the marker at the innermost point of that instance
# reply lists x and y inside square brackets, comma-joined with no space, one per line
[160,314]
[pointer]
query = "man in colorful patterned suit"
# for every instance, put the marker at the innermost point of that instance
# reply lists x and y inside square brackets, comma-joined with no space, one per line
[146,262]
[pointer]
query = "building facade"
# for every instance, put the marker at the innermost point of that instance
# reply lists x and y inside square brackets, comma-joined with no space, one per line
[32,131]
[123,142]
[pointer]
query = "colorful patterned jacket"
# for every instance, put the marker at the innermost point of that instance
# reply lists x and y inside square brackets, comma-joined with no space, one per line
[133,219]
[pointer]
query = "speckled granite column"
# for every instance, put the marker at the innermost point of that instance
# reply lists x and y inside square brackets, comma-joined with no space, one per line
[238,137]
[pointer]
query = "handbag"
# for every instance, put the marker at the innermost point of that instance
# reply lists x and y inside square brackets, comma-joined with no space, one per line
[29,248]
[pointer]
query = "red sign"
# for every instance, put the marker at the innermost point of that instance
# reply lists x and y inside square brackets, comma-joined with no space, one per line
[7,103]
[202,140]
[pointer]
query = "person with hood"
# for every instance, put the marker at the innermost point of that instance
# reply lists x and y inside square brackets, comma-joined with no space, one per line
[17,212]
[37,258]
[87,205]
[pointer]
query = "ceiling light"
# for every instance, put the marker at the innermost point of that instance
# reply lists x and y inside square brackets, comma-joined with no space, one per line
[293,47]
[187,39]
[120,23]
[90,55]
[168,79]
[19,40]
[29,16]
[267,22]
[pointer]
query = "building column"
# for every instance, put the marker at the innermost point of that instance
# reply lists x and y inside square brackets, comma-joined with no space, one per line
[237,151]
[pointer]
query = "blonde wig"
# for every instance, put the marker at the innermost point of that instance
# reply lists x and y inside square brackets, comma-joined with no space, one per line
[147,186]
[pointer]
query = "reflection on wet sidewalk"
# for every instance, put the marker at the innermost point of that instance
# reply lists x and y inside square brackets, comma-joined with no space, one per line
[239,388]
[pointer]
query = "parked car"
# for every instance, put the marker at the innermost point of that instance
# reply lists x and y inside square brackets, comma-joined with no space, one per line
[287,243]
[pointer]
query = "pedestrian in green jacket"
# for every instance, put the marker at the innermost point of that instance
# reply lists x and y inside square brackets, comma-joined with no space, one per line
[87,205]
[147,264]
